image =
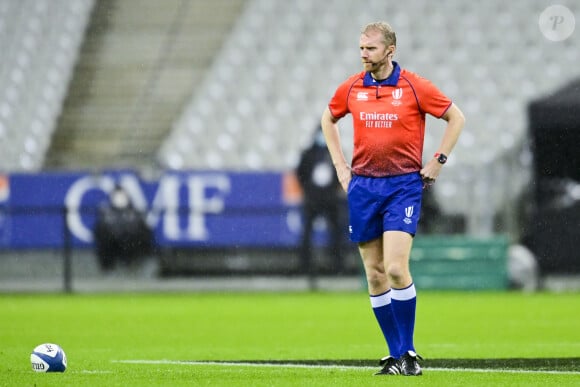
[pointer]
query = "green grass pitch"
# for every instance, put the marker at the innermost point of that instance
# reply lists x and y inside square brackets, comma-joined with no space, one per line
[288,339]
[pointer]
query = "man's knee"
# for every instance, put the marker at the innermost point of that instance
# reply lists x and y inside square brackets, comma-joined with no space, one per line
[394,271]
[398,273]
[376,278]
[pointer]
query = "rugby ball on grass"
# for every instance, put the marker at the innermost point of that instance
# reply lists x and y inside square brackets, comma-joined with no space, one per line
[48,358]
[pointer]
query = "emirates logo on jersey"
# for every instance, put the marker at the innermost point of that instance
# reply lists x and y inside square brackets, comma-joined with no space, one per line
[397,95]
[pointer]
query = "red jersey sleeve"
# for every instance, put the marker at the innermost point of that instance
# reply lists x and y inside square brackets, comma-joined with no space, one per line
[429,98]
[338,105]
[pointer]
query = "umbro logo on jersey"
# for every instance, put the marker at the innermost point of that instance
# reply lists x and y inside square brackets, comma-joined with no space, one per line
[362,96]
[397,95]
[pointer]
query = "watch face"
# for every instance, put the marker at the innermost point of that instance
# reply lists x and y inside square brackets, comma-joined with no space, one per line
[442,158]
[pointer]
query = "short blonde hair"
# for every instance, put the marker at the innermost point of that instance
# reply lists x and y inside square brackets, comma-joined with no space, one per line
[389,36]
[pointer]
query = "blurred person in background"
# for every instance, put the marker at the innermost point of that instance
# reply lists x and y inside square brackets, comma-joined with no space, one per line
[323,198]
[121,234]
[385,179]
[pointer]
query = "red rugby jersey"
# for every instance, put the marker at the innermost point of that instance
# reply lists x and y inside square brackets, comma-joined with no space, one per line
[389,119]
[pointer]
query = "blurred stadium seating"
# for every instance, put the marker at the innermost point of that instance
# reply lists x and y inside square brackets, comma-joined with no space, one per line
[39,42]
[137,66]
[280,65]
[266,85]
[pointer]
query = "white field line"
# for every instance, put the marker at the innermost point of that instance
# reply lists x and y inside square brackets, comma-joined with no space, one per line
[335,366]
[242,364]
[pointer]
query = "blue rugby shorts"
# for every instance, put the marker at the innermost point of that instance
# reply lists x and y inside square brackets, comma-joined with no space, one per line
[379,204]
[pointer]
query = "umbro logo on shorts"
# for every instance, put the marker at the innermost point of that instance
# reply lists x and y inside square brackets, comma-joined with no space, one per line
[408,214]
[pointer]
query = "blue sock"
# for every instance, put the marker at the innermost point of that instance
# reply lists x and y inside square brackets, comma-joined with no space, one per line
[404,304]
[383,312]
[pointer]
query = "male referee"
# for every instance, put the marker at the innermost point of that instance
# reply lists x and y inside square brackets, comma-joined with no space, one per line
[385,180]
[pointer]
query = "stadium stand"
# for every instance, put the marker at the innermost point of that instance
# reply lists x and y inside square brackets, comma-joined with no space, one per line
[39,40]
[278,68]
[237,85]
[138,64]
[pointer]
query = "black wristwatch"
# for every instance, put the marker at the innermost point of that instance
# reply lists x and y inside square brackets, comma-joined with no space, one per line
[442,158]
